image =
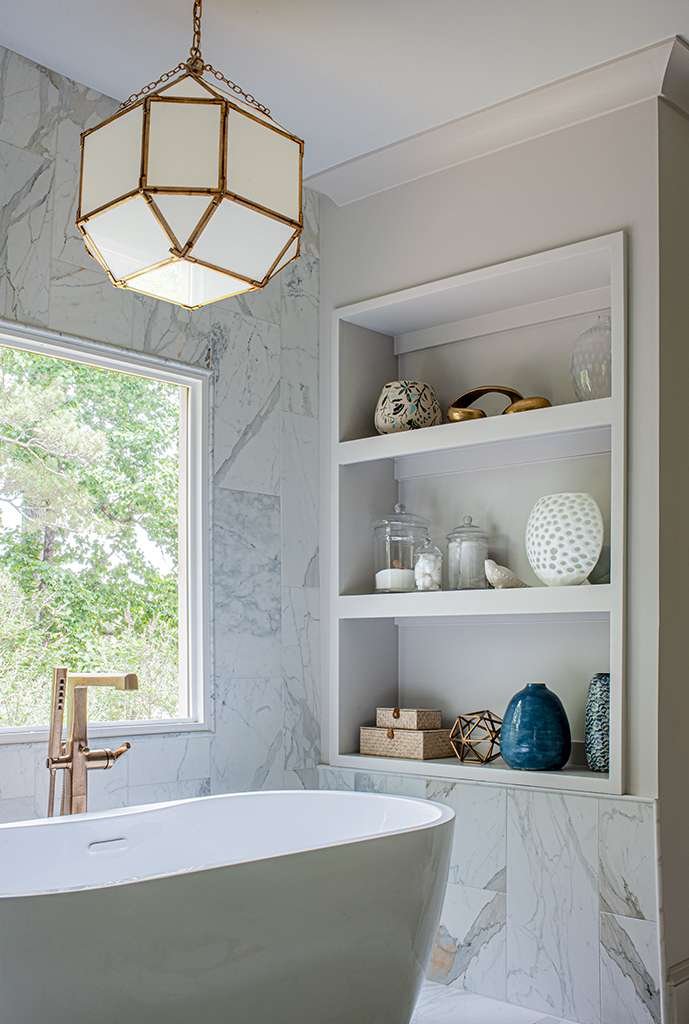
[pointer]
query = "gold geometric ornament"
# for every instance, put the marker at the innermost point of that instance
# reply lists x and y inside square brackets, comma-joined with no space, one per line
[191,192]
[476,736]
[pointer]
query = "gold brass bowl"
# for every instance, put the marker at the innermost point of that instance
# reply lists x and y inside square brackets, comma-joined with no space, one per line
[460,411]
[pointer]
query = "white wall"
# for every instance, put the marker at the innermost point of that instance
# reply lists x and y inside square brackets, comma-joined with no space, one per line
[674,545]
[588,180]
[263,350]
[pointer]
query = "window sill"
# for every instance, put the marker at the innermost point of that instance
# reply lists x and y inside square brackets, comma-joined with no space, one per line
[167,727]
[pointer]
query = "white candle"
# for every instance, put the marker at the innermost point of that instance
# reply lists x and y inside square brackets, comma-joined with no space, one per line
[395,579]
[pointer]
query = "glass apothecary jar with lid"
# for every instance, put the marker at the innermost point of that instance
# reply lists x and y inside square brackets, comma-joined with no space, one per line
[467,551]
[397,539]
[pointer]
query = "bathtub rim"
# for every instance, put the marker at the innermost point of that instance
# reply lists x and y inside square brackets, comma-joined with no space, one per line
[445,815]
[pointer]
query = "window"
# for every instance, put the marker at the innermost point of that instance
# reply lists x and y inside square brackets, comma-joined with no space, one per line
[102,532]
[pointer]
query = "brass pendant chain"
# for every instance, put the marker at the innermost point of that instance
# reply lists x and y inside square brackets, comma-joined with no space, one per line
[196,66]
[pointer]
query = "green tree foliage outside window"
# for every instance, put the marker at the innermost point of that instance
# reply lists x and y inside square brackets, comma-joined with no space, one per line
[89,517]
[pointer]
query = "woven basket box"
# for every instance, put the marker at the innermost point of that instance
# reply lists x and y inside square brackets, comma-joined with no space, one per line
[408,718]
[418,744]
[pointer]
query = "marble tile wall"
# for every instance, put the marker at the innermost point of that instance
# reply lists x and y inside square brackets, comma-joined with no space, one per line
[263,349]
[550,902]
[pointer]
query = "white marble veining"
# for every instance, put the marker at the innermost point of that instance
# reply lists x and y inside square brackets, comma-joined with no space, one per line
[531,934]
[299,331]
[630,974]
[247,749]
[552,885]
[166,330]
[479,848]
[470,944]
[16,771]
[47,278]
[626,843]
[301,676]
[441,1004]
[246,575]
[177,758]
[246,356]
[299,494]
[83,302]
[26,180]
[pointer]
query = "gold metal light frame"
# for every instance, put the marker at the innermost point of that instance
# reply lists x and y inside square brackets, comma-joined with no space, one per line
[235,116]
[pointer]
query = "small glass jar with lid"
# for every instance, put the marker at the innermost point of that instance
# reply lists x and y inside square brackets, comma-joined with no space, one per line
[467,551]
[428,567]
[397,538]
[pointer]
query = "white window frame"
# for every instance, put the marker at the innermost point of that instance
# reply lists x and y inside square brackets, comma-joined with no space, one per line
[194,569]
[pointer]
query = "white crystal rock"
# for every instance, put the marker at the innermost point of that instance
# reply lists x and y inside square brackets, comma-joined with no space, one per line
[501,577]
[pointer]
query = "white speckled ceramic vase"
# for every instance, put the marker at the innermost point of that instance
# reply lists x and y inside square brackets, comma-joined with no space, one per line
[564,537]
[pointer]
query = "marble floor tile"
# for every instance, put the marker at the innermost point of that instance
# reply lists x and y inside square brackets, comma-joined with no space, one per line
[479,845]
[448,1004]
[552,920]
[626,843]
[469,947]
[630,974]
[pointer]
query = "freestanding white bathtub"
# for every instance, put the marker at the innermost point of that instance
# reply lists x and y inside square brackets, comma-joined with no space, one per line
[258,908]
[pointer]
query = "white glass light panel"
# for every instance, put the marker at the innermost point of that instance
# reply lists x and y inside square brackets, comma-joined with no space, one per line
[184,144]
[182,213]
[111,161]
[128,237]
[263,165]
[290,253]
[243,240]
[187,284]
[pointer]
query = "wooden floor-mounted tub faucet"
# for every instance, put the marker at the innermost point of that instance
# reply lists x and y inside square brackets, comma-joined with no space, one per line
[73,756]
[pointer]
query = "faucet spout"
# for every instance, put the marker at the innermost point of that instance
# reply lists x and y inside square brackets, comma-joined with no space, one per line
[74,757]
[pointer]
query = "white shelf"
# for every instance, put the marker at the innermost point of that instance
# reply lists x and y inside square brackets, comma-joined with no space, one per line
[591,600]
[518,321]
[571,778]
[582,428]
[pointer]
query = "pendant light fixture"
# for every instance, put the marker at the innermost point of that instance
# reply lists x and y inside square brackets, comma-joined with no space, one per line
[191,192]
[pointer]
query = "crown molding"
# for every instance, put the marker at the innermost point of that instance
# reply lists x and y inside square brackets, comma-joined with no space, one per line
[661,69]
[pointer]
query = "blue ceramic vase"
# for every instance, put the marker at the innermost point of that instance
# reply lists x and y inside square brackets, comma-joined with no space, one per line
[597,739]
[535,733]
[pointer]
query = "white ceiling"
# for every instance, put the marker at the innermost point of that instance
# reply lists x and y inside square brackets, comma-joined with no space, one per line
[347,75]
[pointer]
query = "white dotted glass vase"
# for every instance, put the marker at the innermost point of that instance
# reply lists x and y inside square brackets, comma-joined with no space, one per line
[591,362]
[564,537]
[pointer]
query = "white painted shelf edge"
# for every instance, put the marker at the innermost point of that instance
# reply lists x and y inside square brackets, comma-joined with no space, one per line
[583,600]
[537,423]
[571,778]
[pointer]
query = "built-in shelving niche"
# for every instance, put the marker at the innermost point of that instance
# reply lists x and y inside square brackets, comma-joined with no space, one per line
[513,324]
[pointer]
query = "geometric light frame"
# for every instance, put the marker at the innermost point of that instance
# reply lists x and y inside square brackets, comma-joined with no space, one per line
[242,216]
